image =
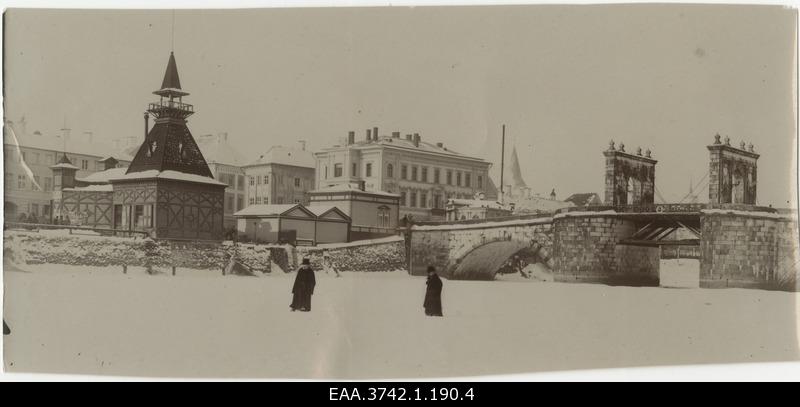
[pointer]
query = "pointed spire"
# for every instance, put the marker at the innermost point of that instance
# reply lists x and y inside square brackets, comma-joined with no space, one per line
[171,79]
[516,172]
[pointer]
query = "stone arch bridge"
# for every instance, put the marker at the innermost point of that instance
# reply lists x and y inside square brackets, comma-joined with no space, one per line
[739,245]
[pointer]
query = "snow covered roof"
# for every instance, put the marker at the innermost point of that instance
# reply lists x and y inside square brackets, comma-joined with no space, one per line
[265,210]
[100,188]
[350,188]
[64,165]
[168,174]
[403,143]
[319,210]
[286,156]
[478,203]
[217,149]
[83,144]
[582,199]
[539,204]
[102,177]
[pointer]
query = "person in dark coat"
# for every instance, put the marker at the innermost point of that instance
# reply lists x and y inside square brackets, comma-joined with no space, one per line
[303,287]
[433,294]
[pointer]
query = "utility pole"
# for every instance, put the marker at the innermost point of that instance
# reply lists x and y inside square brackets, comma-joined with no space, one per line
[502,165]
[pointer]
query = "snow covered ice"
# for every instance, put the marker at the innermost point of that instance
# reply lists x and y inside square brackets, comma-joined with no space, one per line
[96,320]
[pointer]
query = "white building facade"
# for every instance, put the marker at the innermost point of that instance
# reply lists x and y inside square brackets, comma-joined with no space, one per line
[425,175]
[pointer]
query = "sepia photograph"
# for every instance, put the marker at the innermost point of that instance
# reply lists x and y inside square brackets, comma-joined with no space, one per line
[371,192]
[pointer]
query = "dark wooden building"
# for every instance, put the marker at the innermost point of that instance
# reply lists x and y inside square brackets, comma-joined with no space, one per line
[168,189]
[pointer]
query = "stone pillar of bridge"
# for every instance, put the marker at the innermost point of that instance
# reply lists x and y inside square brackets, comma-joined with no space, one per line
[587,248]
[630,178]
[732,173]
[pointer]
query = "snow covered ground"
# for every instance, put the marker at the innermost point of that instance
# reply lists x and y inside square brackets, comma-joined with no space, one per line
[371,325]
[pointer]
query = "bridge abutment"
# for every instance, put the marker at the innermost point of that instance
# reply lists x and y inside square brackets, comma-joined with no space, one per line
[748,249]
[586,248]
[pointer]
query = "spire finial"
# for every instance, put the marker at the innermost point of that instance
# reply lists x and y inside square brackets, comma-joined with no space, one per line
[172,38]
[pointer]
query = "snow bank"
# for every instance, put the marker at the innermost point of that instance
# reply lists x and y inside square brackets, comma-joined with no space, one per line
[385,254]
[168,174]
[584,213]
[755,214]
[99,251]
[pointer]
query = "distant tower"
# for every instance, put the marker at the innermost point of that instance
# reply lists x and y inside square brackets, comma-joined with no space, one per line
[553,195]
[518,188]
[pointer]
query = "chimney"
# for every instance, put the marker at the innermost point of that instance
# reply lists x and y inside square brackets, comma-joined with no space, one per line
[369,135]
[416,139]
[395,134]
[222,136]
[146,126]
[302,144]
[375,133]
[351,137]
[440,145]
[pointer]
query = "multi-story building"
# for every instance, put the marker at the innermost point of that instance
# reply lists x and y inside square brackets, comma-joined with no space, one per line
[282,175]
[225,162]
[28,158]
[425,175]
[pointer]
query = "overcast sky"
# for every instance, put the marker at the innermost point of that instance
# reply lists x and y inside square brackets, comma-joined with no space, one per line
[564,79]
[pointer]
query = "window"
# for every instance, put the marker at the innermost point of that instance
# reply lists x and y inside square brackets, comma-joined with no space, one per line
[297,182]
[390,171]
[413,173]
[467,180]
[369,169]
[424,174]
[353,169]
[84,164]
[258,200]
[423,200]
[34,158]
[252,180]
[435,175]
[46,210]
[9,180]
[266,179]
[240,203]
[48,184]
[458,179]
[480,181]
[240,181]
[402,198]
[449,177]
[35,209]
[22,182]
[279,200]
[37,185]
[437,201]
[258,180]
[383,217]
[326,172]
[252,200]
[337,170]
[413,202]
[49,158]
[297,201]
[229,204]
[403,172]
[143,216]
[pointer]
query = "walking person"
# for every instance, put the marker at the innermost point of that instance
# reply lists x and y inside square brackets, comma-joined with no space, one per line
[327,266]
[303,287]
[433,294]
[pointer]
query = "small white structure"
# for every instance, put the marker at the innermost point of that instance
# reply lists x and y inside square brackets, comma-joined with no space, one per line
[292,223]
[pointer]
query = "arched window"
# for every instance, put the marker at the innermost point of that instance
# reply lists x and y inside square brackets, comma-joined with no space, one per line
[390,171]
